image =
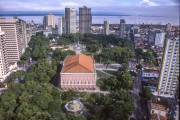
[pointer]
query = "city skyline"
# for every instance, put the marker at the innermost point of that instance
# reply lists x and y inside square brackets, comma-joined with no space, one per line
[165,8]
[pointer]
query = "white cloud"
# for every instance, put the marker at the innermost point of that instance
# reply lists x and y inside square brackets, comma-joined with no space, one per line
[148,3]
[69,4]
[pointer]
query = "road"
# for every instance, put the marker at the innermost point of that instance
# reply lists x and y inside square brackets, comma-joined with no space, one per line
[135,94]
[132,64]
[113,67]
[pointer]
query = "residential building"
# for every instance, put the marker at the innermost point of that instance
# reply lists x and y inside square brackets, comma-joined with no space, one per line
[168,27]
[122,28]
[48,21]
[150,73]
[78,73]
[12,38]
[159,39]
[136,29]
[170,69]
[106,27]
[23,34]
[60,26]
[158,111]
[151,37]
[3,57]
[70,20]
[28,32]
[85,20]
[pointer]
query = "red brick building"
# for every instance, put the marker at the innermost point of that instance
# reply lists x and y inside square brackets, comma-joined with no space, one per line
[78,73]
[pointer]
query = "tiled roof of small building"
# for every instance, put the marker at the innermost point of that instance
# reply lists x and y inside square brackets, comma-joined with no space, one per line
[78,64]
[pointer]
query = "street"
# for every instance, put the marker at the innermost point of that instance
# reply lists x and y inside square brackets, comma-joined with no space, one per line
[113,67]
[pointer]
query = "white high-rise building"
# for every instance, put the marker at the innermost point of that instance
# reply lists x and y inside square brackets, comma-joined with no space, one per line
[70,20]
[60,26]
[13,39]
[3,57]
[159,39]
[106,27]
[168,80]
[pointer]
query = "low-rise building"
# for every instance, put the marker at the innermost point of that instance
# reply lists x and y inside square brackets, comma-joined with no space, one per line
[150,73]
[78,73]
[158,112]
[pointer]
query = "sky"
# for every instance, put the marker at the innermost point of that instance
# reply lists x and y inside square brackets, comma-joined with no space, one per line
[165,8]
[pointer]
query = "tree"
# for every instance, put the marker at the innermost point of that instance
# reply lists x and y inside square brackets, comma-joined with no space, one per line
[146,93]
[124,80]
[30,101]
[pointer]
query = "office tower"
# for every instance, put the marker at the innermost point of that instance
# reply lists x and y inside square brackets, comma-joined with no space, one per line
[12,38]
[122,28]
[152,36]
[63,25]
[159,39]
[106,27]
[70,20]
[48,21]
[3,56]
[168,27]
[85,20]
[60,26]
[168,80]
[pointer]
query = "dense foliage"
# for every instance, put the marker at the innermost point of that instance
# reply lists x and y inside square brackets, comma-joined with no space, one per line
[39,45]
[148,55]
[32,101]
[123,80]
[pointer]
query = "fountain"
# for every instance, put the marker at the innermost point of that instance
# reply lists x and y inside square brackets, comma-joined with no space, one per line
[74,106]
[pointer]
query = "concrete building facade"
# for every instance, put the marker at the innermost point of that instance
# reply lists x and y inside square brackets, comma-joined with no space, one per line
[3,56]
[168,80]
[70,20]
[159,39]
[60,25]
[13,39]
[85,20]
[106,27]
[48,21]
[122,28]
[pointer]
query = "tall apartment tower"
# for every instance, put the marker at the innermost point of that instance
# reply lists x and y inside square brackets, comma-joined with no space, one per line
[159,39]
[168,80]
[60,26]
[122,28]
[168,27]
[85,20]
[13,39]
[70,20]
[106,27]
[3,56]
[23,34]
[48,21]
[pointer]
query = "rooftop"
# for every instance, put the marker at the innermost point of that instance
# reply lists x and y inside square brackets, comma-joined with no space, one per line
[78,64]
[158,107]
[155,117]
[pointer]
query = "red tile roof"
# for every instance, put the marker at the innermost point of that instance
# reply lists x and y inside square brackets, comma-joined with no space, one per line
[78,64]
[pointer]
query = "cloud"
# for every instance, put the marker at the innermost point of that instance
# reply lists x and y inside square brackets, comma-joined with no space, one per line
[70,4]
[148,3]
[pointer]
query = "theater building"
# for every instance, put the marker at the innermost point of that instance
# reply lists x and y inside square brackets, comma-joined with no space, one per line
[78,73]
